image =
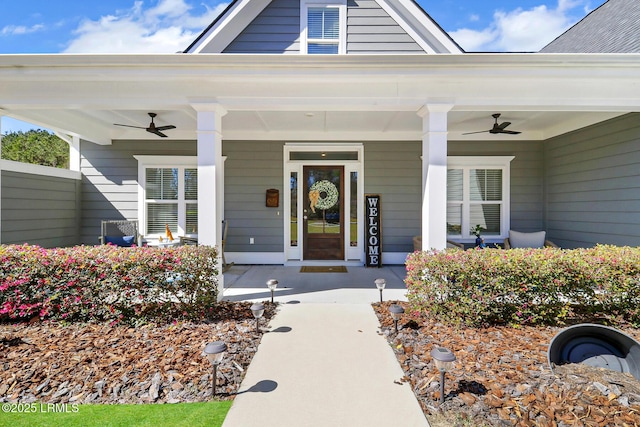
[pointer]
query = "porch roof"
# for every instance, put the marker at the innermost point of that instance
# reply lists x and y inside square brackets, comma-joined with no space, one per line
[308,97]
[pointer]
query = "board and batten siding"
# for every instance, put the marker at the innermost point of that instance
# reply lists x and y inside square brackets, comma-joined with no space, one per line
[593,184]
[527,177]
[250,169]
[39,209]
[370,30]
[110,179]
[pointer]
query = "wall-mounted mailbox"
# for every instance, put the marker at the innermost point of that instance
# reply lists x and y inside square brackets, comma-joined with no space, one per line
[273,198]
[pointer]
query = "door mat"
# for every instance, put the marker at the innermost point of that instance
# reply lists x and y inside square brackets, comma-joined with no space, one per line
[323,269]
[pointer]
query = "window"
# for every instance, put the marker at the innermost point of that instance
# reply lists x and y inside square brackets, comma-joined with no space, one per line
[168,195]
[478,193]
[323,28]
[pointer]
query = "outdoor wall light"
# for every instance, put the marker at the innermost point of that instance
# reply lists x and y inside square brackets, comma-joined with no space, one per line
[396,312]
[214,351]
[380,284]
[272,284]
[258,310]
[443,359]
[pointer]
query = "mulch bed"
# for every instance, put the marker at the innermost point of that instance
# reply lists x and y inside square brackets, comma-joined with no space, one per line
[98,363]
[502,377]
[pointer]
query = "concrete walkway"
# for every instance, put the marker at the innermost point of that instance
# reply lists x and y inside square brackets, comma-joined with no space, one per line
[324,365]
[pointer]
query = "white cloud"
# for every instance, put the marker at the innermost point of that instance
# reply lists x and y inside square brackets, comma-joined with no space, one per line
[523,30]
[20,29]
[168,27]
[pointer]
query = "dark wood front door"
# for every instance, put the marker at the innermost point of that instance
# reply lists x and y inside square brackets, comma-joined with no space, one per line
[323,213]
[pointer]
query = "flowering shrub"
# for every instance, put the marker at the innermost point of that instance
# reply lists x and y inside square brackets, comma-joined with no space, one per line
[524,286]
[108,282]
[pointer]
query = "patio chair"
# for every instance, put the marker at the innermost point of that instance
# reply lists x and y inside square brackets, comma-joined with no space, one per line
[120,233]
[536,239]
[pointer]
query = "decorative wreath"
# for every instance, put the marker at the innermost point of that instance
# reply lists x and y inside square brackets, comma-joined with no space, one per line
[315,195]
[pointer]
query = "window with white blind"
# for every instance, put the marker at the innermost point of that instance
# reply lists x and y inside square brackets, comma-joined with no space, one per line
[323,27]
[168,195]
[478,194]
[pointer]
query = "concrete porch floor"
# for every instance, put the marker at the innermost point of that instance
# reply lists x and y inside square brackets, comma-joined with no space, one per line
[356,286]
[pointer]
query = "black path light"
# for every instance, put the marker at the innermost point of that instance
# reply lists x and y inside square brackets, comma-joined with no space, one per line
[214,351]
[380,284]
[272,284]
[396,312]
[443,359]
[258,310]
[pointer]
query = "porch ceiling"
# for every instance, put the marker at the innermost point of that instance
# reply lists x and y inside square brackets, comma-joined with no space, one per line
[307,99]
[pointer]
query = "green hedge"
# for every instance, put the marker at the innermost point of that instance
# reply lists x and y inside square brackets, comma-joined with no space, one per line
[524,286]
[87,283]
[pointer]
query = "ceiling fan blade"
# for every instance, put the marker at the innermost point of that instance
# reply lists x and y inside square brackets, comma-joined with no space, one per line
[480,131]
[161,128]
[129,126]
[157,132]
[504,125]
[511,132]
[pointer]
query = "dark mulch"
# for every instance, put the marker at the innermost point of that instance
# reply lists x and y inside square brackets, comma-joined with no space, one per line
[502,377]
[98,363]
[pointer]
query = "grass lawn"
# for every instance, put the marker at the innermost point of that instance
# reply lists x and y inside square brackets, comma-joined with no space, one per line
[180,414]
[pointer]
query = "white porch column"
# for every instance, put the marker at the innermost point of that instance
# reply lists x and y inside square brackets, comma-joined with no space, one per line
[74,154]
[434,175]
[210,178]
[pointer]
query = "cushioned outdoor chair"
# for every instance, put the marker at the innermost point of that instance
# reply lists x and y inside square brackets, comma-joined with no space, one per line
[120,233]
[536,239]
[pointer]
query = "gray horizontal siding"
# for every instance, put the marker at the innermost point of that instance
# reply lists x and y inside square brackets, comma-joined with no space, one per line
[110,179]
[393,170]
[593,184]
[275,30]
[371,30]
[250,169]
[40,210]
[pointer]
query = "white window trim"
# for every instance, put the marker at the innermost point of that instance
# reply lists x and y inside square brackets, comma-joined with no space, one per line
[484,162]
[304,9]
[145,162]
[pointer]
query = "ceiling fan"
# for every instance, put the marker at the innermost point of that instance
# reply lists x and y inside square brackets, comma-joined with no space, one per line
[152,127]
[497,128]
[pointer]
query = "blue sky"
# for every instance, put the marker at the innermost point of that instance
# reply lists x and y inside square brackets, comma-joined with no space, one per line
[166,26]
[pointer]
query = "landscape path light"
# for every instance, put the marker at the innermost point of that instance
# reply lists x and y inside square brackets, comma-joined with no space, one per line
[214,352]
[396,312]
[258,310]
[443,359]
[272,284]
[380,284]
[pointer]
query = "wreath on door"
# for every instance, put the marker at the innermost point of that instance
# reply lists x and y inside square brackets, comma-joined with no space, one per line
[323,195]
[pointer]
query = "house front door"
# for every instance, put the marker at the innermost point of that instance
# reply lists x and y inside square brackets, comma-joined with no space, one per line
[323,216]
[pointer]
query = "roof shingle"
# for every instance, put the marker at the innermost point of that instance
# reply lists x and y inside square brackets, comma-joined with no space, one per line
[614,27]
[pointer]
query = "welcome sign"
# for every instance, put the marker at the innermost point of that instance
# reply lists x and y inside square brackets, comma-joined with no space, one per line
[373,233]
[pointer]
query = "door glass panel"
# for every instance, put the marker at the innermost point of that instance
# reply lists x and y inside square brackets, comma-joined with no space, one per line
[294,208]
[323,198]
[353,232]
